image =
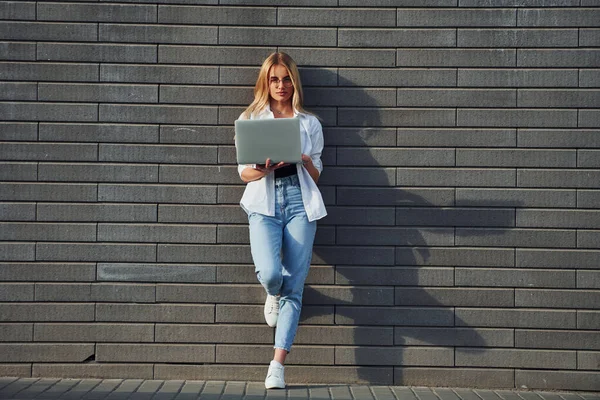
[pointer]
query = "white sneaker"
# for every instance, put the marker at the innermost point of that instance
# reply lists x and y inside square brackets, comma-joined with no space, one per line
[275,376]
[272,310]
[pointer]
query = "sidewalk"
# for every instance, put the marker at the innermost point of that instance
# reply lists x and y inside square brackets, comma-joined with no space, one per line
[138,389]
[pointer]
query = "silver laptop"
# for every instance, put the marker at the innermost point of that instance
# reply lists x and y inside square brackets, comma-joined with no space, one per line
[259,139]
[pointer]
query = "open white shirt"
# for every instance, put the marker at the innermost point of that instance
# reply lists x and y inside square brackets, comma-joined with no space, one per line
[259,195]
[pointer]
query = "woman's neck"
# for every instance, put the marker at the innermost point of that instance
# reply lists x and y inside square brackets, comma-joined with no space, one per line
[281,109]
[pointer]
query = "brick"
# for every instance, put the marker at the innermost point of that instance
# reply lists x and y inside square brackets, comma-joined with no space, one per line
[96,12]
[49,72]
[74,292]
[34,231]
[16,332]
[97,172]
[155,353]
[323,275]
[98,133]
[233,234]
[588,360]
[460,177]
[405,276]
[390,77]
[48,31]
[201,214]
[203,253]
[18,91]
[589,239]
[515,358]
[103,371]
[196,134]
[18,131]
[93,332]
[558,178]
[231,194]
[17,10]
[546,238]
[253,314]
[589,118]
[49,111]
[430,316]
[456,18]
[360,216]
[123,292]
[518,77]
[98,93]
[157,193]
[47,272]
[218,55]
[17,51]
[335,17]
[537,258]
[164,74]
[515,318]
[393,236]
[526,118]
[557,298]
[394,157]
[190,313]
[17,171]
[156,273]
[558,138]
[454,377]
[399,3]
[453,297]
[350,97]
[168,293]
[453,337]
[158,153]
[213,95]
[177,333]
[517,3]
[234,75]
[130,53]
[95,252]
[96,212]
[49,152]
[558,17]
[588,279]
[518,38]
[312,355]
[157,114]
[201,15]
[396,37]
[515,197]
[588,319]
[456,98]
[413,117]
[264,36]
[16,292]
[558,218]
[394,196]
[360,137]
[361,255]
[345,335]
[37,352]
[17,251]
[454,217]
[577,58]
[342,57]
[589,78]
[55,312]
[588,158]
[358,176]
[588,198]
[516,158]
[17,211]
[564,380]
[456,257]
[320,295]
[455,58]
[559,98]
[158,34]
[557,339]
[206,372]
[417,356]
[514,278]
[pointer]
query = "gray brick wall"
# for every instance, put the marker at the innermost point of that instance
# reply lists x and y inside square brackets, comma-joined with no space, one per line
[462,178]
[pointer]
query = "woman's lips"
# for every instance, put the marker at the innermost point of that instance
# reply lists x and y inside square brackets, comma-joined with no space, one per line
[281,93]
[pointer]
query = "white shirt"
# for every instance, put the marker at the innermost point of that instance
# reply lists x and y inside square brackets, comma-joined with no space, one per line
[259,195]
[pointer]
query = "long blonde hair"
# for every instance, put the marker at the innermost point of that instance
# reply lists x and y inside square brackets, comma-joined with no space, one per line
[261,89]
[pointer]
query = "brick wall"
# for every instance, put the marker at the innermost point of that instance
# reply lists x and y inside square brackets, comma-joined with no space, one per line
[462,246]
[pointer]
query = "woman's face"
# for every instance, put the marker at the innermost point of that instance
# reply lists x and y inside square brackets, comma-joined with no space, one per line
[279,80]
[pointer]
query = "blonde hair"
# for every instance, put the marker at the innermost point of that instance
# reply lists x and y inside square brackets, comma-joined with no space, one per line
[261,89]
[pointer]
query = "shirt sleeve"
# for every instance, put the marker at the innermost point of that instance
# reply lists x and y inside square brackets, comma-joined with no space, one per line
[241,167]
[316,137]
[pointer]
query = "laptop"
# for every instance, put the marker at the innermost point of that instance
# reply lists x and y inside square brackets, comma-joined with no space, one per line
[259,139]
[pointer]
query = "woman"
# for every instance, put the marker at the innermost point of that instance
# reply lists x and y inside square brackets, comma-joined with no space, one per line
[283,204]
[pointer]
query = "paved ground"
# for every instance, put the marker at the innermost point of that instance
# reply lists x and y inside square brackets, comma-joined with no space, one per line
[138,389]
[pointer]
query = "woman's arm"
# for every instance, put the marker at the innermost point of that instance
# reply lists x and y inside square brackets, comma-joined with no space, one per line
[254,173]
[310,167]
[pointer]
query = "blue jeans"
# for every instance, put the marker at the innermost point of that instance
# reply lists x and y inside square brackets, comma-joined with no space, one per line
[282,249]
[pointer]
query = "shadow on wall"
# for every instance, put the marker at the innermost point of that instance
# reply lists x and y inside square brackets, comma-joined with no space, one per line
[393,303]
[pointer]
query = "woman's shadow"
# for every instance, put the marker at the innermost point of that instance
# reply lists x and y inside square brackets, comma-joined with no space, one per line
[389,304]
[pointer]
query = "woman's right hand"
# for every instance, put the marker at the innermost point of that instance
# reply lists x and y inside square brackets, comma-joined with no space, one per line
[268,167]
